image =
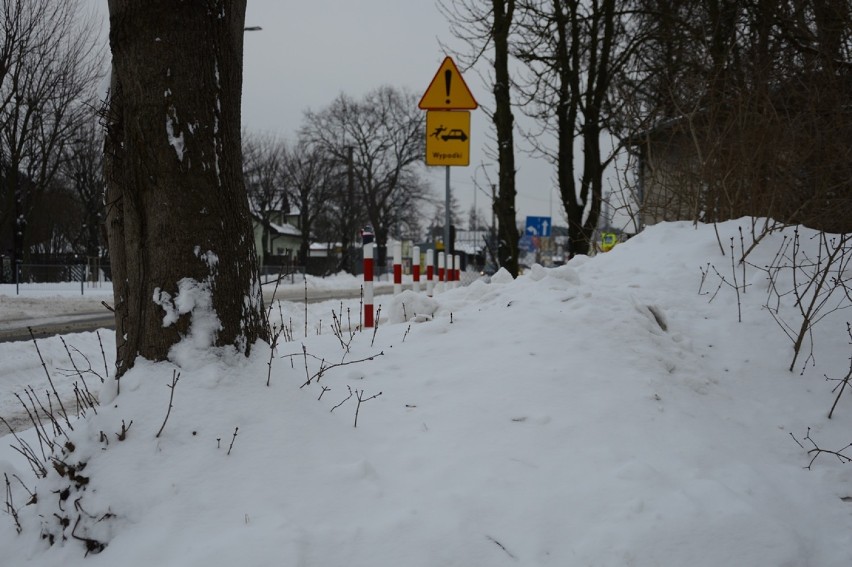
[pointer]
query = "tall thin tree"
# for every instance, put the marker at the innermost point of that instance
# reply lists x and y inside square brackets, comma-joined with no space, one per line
[486,28]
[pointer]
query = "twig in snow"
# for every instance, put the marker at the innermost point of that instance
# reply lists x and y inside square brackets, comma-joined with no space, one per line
[103,355]
[305,355]
[274,293]
[501,546]
[704,275]
[344,401]
[324,369]
[50,380]
[817,450]
[124,429]
[35,418]
[337,329]
[306,305]
[376,326]
[175,378]
[10,505]
[271,354]
[86,397]
[234,438]
[843,381]
[93,546]
[24,448]
[362,400]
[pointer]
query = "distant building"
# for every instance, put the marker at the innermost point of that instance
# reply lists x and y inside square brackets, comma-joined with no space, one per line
[276,241]
[782,153]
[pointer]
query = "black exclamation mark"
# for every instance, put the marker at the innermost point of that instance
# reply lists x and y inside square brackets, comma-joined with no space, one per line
[448,79]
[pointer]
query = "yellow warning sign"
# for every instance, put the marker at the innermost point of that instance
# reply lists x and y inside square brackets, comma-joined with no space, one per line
[447,137]
[448,91]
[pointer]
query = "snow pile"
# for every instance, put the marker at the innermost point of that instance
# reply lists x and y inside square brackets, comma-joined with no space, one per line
[608,412]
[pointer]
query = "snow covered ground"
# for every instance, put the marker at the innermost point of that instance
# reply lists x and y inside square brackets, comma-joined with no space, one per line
[43,300]
[609,412]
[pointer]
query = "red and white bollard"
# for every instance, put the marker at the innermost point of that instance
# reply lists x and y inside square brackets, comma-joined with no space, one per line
[397,268]
[441,273]
[368,285]
[457,276]
[430,272]
[415,269]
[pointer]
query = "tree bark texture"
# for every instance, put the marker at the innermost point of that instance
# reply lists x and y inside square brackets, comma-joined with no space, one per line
[177,212]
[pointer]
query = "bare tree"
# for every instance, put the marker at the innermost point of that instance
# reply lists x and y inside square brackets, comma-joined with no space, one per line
[82,172]
[312,181]
[439,216]
[487,30]
[264,159]
[49,67]
[507,247]
[475,220]
[179,226]
[341,214]
[385,132]
[574,51]
[55,222]
[66,216]
[744,108]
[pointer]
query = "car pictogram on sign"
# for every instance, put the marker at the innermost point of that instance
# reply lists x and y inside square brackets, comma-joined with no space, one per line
[455,134]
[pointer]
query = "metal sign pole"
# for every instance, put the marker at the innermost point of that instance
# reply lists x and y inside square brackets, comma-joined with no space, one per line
[447,215]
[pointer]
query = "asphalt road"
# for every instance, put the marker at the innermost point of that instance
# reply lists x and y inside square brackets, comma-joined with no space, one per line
[62,325]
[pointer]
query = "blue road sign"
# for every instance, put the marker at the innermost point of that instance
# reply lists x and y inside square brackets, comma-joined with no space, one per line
[537,226]
[526,243]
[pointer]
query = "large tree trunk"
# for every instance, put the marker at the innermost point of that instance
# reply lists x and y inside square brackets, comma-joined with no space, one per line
[180,233]
[504,205]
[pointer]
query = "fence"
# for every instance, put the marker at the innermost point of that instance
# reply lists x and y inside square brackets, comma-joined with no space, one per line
[271,274]
[67,277]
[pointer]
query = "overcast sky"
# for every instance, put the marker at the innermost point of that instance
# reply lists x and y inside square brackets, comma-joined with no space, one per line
[308,52]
